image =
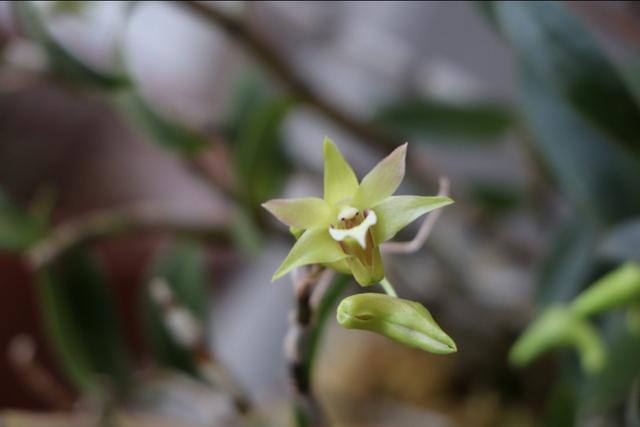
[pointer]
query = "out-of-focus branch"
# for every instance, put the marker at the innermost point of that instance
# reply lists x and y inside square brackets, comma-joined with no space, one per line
[423,233]
[21,353]
[281,69]
[140,218]
[188,332]
[296,345]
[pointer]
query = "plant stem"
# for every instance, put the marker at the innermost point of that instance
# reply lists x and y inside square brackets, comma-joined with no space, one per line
[304,336]
[388,288]
[127,220]
[281,69]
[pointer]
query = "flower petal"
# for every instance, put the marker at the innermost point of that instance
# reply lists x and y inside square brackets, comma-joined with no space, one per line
[315,246]
[340,181]
[382,180]
[397,212]
[305,212]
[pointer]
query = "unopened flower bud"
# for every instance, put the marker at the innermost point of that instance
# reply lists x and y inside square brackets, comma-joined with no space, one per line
[406,322]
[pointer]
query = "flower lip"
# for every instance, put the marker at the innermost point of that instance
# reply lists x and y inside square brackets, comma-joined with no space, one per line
[357,233]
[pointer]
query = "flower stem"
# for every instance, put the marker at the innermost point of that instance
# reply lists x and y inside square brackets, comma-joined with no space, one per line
[388,287]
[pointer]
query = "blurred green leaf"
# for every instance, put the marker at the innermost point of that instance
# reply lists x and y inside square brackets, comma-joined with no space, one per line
[161,130]
[251,91]
[622,243]
[558,327]
[18,228]
[496,199]
[559,49]
[184,267]
[245,232]
[560,410]
[62,62]
[567,263]
[260,159]
[443,120]
[80,319]
[614,381]
[617,288]
[599,178]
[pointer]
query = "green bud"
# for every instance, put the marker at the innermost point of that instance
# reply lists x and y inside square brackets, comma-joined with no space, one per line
[406,322]
[620,287]
[559,327]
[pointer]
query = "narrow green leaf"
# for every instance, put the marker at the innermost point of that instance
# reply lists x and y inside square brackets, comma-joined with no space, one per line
[81,322]
[18,228]
[567,264]
[559,327]
[62,62]
[161,130]
[599,178]
[446,121]
[260,159]
[560,409]
[619,288]
[184,268]
[558,48]
[622,367]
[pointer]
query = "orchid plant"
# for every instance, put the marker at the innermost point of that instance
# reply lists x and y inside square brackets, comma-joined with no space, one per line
[344,230]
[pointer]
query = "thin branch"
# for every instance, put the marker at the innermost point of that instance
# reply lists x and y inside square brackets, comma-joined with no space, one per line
[296,344]
[139,218]
[21,353]
[188,332]
[281,69]
[423,233]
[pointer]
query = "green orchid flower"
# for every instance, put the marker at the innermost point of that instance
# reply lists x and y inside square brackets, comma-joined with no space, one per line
[344,229]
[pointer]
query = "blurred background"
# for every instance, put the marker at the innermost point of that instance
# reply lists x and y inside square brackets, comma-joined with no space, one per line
[138,140]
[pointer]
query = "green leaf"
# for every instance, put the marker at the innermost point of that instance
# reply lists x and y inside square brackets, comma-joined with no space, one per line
[559,327]
[618,288]
[161,130]
[622,367]
[260,159]
[62,62]
[184,267]
[599,178]
[622,243]
[558,48]
[560,408]
[567,264]
[18,228]
[81,322]
[446,121]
